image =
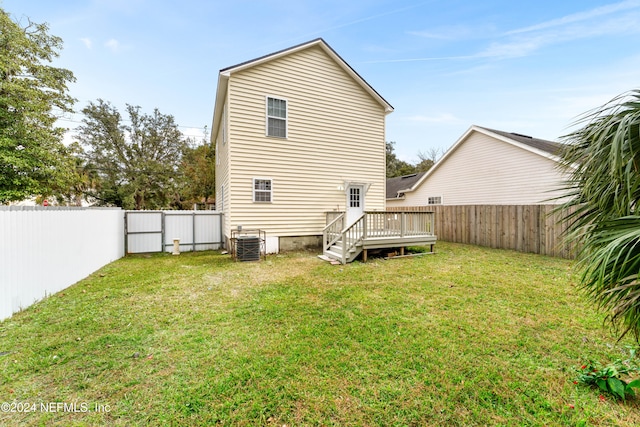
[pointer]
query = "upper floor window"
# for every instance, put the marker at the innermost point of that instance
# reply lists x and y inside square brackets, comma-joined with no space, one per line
[276,117]
[434,200]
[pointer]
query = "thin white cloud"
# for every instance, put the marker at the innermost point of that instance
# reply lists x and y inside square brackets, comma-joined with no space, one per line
[580,16]
[444,33]
[524,43]
[428,58]
[87,42]
[440,118]
[614,19]
[354,22]
[514,49]
[113,45]
[454,32]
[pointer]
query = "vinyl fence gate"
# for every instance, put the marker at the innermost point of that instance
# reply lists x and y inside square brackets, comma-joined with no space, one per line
[154,231]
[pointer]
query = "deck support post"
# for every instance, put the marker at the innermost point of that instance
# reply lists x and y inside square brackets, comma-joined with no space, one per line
[364,255]
[401,250]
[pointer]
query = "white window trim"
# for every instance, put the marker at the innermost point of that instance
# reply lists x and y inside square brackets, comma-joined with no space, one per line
[434,204]
[267,117]
[253,189]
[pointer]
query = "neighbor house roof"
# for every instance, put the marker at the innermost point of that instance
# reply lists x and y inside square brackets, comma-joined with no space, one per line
[541,147]
[397,185]
[225,73]
[550,147]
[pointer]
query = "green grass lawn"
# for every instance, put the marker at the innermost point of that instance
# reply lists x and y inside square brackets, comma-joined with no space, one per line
[468,336]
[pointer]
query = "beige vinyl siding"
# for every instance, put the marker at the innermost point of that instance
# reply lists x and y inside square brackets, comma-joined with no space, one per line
[485,170]
[222,172]
[397,203]
[335,134]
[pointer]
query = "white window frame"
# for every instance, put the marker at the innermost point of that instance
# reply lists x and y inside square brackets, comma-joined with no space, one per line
[270,191]
[431,200]
[359,198]
[267,116]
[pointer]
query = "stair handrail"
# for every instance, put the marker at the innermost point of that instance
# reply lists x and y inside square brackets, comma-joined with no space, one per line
[332,232]
[348,244]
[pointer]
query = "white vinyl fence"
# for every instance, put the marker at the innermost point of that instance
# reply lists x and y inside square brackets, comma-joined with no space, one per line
[46,249]
[154,231]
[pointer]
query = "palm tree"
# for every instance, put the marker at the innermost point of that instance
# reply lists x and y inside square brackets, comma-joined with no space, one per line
[603,164]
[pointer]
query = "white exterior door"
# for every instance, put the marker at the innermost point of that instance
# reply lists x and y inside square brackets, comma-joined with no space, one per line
[355,203]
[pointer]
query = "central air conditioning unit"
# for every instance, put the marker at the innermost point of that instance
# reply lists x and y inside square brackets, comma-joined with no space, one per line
[248,248]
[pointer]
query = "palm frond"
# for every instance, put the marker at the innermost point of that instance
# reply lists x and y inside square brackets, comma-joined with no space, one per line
[602,160]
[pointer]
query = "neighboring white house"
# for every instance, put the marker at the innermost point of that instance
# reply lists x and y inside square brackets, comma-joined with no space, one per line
[298,133]
[485,167]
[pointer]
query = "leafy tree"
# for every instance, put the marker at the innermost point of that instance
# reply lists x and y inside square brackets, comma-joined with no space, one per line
[603,162]
[136,164]
[395,166]
[80,181]
[32,156]
[198,172]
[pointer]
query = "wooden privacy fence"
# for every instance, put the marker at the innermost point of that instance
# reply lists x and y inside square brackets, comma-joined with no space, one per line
[524,228]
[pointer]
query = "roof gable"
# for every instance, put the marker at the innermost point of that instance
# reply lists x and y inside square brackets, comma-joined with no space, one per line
[540,147]
[225,73]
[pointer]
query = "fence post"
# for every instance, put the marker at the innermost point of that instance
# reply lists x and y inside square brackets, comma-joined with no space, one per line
[126,234]
[162,228]
[193,229]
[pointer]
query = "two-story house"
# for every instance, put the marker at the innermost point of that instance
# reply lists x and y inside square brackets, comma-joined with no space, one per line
[299,134]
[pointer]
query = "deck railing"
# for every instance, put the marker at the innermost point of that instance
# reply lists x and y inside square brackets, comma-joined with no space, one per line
[333,231]
[399,224]
[386,223]
[353,235]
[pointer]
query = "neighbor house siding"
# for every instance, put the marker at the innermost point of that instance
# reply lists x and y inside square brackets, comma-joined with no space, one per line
[485,170]
[335,134]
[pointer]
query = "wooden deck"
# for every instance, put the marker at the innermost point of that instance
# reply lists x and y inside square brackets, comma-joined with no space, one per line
[376,230]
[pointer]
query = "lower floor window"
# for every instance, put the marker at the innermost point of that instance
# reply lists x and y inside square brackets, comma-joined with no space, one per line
[434,200]
[262,190]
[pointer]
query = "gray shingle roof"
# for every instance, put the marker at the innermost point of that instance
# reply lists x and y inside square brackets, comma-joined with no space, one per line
[540,144]
[401,183]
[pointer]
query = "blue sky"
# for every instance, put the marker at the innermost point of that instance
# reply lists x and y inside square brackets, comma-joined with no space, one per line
[529,66]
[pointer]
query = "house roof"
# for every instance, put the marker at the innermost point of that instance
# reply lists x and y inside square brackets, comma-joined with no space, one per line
[550,147]
[397,185]
[541,147]
[225,73]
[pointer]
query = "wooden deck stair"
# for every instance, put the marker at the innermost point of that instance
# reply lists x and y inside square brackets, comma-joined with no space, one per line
[335,252]
[375,230]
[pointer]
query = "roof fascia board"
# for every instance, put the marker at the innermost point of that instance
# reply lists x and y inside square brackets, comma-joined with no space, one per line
[221,95]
